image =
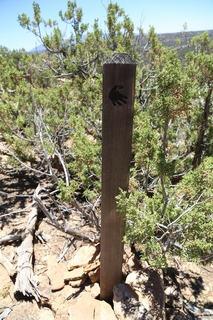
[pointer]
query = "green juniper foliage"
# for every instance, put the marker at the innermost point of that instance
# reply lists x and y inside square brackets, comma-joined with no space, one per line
[50,120]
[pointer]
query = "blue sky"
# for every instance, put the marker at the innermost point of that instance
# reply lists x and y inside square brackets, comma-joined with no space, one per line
[164,15]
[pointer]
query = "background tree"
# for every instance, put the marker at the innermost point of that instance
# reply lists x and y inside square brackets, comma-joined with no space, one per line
[162,214]
[50,120]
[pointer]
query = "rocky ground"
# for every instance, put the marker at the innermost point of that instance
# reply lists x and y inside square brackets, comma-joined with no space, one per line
[67,272]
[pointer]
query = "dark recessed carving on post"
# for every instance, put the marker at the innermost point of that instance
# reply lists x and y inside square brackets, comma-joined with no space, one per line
[116,96]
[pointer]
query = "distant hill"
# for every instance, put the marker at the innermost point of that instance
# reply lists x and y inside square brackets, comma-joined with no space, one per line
[170,40]
[38,49]
[167,39]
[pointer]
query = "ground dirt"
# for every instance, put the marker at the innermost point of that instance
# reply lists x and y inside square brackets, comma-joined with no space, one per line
[192,284]
[16,190]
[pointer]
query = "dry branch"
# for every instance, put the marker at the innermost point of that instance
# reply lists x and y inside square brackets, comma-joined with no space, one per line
[62,227]
[26,281]
[10,238]
[7,264]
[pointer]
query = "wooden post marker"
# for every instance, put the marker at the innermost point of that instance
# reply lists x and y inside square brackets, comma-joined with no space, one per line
[118,106]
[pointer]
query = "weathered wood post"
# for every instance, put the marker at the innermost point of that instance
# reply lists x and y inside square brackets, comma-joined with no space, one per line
[118,104]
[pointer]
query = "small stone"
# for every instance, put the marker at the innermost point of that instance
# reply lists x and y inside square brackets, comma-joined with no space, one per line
[92,266]
[82,257]
[148,285]
[56,276]
[78,283]
[94,275]
[136,278]
[130,261]
[103,311]
[75,274]
[85,307]
[171,291]
[29,310]
[188,294]
[126,307]
[95,290]
[44,288]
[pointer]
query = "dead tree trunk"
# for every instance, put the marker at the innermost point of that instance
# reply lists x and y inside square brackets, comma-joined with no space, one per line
[25,279]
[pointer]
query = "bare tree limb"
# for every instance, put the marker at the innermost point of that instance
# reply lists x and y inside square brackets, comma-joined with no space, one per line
[10,238]
[7,264]
[26,282]
[65,227]
[169,230]
[28,167]
[197,202]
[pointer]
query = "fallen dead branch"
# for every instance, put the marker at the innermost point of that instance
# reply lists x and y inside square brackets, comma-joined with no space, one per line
[10,238]
[25,280]
[7,264]
[52,220]
[64,251]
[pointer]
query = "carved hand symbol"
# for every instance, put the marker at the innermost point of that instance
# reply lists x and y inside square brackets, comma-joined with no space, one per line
[116,96]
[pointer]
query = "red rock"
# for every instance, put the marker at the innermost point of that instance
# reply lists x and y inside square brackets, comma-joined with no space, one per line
[75,274]
[94,275]
[92,266]
[126,307]
[85,307]
[78,283]
[82,257]
[56,276]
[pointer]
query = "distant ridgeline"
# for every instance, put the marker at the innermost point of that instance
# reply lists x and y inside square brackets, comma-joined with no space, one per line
[39,49]
[167,39]
[184,37]
[179,41]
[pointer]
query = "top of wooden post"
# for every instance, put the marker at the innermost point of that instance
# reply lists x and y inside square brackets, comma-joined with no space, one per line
[119,58]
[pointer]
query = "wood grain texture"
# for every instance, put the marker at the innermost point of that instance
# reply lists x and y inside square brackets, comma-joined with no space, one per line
[118,82]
